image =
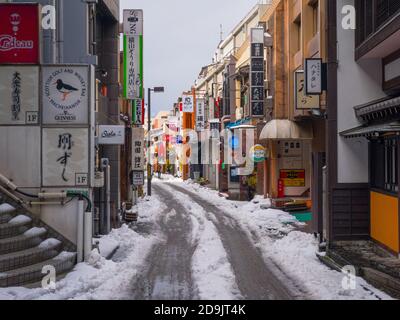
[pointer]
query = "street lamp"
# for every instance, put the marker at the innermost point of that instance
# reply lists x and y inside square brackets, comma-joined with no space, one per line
[155,90]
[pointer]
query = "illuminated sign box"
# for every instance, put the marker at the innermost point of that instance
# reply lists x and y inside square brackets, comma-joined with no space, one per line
[19,33]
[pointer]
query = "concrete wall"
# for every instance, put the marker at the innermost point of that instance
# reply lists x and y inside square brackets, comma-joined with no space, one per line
[360,78]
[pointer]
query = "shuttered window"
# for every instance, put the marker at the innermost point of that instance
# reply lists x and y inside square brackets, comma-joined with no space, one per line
[385,9]
[373,14]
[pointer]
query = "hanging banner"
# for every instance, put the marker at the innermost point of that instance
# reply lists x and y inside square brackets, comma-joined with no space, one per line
[65,157]
[302,100]
[138,112]
[133,67]
[138,149]
[257,72]
[19,92]
[19,33]
[65,95]
[200,113]
[111,135]
[187,104]
[133,22]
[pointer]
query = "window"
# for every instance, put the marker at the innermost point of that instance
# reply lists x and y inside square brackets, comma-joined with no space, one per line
[384,165]
[386,9]
[297,34]
[315,15]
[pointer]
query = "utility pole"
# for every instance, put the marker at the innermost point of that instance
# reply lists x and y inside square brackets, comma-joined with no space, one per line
[148,142]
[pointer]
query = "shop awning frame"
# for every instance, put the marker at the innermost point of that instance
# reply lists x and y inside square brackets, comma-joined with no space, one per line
[287,130]
[372,130]
[378,110]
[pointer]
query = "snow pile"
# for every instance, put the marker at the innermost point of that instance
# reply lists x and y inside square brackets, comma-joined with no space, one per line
[6,208]
[21,219]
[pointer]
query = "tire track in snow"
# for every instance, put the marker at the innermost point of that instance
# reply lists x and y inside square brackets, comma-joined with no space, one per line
[255,279]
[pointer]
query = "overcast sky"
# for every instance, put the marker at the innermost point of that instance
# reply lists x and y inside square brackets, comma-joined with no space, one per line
[180,37]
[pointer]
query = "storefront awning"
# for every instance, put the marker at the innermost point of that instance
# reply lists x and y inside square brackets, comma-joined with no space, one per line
[371,131]
[286,129]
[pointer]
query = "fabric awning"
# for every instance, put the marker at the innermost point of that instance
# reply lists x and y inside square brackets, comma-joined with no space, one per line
[286,129]
[371,131]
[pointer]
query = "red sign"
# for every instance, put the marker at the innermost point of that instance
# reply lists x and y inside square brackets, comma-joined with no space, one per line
[19,33]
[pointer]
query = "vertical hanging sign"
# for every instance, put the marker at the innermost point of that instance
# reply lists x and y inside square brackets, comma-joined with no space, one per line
[138,112]
[133,54]
[257,73]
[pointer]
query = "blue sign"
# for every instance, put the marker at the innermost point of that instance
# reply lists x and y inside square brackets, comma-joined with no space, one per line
[234,142]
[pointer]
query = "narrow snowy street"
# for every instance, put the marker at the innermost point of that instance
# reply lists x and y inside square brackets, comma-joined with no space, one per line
[190,243]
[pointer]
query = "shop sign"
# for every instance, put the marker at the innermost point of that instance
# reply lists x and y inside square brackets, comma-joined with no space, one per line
[19,92]
[19,33]
[138,149]
[200,113]
[293,178]
[188,104]
[65,94]
[258,153]
[302,100]
[234,142]
[65,157]
[111,135]
[133,67]
[138,112]
[133,22]
[138,178]
[313,76]
[257,72]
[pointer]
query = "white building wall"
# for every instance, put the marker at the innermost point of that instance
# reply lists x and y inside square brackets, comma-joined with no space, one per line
[357,84]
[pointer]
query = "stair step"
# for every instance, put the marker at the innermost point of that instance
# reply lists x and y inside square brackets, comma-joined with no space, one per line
[62,263]
[15,226]
[46,250]
[6,208]
[31,238]
[7,212]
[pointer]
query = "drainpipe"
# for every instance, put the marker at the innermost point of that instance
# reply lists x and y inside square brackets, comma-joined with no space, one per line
[80,237]
[88,235]
[106,215]
[60,31]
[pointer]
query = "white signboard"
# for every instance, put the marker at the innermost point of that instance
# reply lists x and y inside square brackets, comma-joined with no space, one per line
[65,95]
[65,157]
[138,178]
[313,76]
[111,135]
[133,22]
[132,73]
[19,95]
[304,101]
[187,104]
[200,114]
[137,149]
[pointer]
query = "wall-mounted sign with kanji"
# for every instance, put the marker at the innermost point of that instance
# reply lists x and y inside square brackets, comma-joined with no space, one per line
[313,76]
[137,149]
[19,92]
[65,157]
[302,100]
[257,73]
